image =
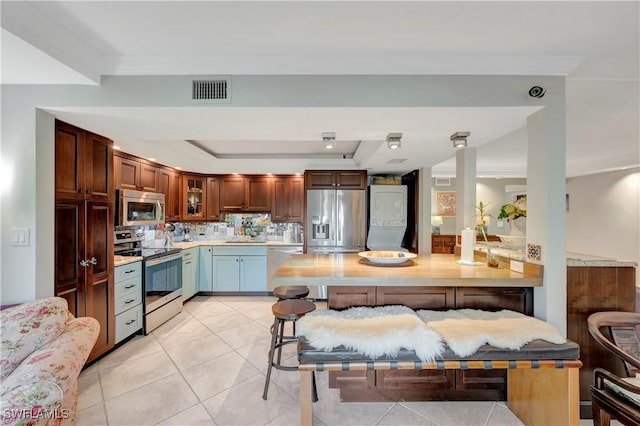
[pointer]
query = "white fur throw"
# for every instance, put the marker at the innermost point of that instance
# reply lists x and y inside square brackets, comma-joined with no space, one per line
[466,330]
[374,332]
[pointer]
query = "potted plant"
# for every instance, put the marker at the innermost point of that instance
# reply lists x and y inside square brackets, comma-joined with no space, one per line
[482,221]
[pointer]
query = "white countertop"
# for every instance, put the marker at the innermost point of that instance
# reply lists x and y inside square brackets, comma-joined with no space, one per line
[573,259]
[123,260]
[198,243]
[580,259]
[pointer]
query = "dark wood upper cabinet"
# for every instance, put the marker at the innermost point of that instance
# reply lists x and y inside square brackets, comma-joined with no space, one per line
[336,179]
[213,198]
[83,164]
[169,184]
[149,176]
[194,197]
[139,175]
[245,193]
[288,199]
[127,173]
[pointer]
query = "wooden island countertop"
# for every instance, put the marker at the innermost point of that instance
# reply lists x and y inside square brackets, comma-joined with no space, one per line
[429,270]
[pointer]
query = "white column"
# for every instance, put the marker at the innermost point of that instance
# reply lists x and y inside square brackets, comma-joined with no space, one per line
[424,210]
[546,217]
[465,189]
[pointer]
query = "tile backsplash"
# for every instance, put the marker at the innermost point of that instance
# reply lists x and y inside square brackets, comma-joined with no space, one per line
[257,226]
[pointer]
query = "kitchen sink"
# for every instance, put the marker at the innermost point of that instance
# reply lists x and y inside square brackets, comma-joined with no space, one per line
[244,242]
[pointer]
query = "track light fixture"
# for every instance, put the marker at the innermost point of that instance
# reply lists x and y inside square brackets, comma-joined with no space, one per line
[329,139]
[393,140]
[459,139]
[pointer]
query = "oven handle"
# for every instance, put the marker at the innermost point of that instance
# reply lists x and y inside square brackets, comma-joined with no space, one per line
[163,259]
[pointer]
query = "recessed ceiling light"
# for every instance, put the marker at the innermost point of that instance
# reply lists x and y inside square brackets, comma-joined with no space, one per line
[151,159]
[178,168]
[116,147]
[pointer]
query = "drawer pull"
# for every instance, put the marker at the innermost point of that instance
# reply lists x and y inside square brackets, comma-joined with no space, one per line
[187,263]
[129,271]
[129,322]
[129,301]
[129,286]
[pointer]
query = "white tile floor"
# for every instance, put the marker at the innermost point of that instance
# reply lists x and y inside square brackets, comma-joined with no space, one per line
[207,365]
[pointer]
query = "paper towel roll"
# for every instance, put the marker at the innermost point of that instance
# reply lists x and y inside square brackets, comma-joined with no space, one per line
[468,241]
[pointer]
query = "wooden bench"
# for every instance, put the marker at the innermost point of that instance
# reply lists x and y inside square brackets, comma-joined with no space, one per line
[542,378]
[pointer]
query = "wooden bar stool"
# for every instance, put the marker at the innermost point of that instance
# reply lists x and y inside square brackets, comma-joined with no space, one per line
[286,292]
[283,311]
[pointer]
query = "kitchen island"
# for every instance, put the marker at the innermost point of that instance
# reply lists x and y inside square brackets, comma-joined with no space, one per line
[433,281]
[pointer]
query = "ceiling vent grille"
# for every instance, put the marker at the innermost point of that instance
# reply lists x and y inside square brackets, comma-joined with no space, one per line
[210,90]
[443,181]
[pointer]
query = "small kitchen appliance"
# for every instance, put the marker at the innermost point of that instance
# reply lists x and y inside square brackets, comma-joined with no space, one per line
[137,208]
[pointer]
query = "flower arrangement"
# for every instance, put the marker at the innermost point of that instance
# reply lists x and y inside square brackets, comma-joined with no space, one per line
[481,226]
[515,210]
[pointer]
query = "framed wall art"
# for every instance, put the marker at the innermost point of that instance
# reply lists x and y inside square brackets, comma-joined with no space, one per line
[446,203]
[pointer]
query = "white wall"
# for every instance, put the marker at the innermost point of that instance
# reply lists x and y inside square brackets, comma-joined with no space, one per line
[489,191]
[604,215]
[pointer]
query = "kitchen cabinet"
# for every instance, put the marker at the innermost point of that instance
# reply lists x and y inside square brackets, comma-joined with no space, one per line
[288,199]
[83,164]
[245,193]
[194,197]
[170,184]
[239,269]
[83,237]
[132,173]
[189,273]
[84,264]
[595,289]
[213,198]
[442,244]
[330,179]
[205,268]
[128,299]
[425,385]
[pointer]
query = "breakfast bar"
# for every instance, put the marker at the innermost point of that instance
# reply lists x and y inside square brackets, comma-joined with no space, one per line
[429,281]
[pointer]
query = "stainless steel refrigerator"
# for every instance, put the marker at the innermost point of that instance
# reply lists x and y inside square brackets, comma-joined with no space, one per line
[336,220]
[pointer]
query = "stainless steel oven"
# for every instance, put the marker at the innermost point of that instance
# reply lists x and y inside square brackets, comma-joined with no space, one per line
[134,208]
[162,286]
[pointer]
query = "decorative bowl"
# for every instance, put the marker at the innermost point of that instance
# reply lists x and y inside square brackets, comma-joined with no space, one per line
[515,241]
[386,257]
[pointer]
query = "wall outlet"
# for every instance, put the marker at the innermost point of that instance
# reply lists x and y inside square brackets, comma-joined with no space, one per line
[516,266]
[500,224]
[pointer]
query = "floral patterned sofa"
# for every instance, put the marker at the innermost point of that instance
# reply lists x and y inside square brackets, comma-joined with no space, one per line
[42,351]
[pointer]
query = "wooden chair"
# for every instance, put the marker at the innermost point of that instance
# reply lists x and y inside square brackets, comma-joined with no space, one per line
[608,397]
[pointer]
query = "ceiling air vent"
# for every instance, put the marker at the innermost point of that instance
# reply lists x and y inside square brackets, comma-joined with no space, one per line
[210,90]
[443,181]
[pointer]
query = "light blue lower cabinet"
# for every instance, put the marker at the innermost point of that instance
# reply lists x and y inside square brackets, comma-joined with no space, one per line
[237,269]
[190,261]
[205,268]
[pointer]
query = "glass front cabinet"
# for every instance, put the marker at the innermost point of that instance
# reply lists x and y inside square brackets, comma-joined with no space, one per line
[194,197]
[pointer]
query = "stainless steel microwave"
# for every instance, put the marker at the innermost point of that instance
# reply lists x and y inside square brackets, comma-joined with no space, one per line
[139,208]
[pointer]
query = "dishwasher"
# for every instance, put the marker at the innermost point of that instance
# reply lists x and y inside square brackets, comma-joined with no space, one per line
[276,255]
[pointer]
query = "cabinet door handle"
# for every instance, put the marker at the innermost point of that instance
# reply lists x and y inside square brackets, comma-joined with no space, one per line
[236,260]
[127,287]
[129,322]
[187,263]
[129,301]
